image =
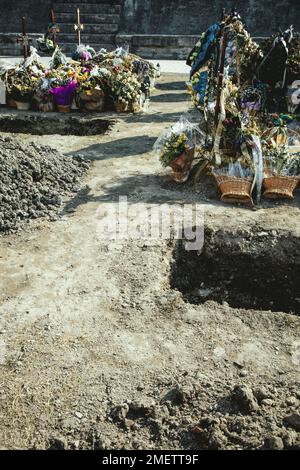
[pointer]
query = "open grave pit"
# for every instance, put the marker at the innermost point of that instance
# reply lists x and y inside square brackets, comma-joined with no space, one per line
[74,123]
[249,269]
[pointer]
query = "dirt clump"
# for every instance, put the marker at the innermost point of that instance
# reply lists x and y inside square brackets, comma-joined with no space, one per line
[33,180]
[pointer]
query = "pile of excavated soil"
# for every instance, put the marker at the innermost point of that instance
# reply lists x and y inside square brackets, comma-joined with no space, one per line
[195,415]
[33,179]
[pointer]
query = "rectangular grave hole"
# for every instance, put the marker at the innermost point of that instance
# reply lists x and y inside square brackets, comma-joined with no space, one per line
[53,123]
[260,272]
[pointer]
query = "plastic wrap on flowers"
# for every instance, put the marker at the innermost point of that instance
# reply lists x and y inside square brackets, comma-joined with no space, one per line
[58,59]
[43,97]
[281,172]
[21,81]
[176,148]
[83,53]
[32,58]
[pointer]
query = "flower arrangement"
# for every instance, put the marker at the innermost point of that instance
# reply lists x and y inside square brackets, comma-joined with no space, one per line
[248,52]
[275,159]
[83,53]
[125,88]
[21,82]
[173,147]
[89,79]
[58,59]
[122,77]
[251,99]
[42,95]
[291,166]
[64,94]
[90,93]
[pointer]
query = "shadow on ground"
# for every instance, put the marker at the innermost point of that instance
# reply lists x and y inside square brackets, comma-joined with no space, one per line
[171,86]
[148,189]
[170,97]
[136,145]
[154,117]
[161,189]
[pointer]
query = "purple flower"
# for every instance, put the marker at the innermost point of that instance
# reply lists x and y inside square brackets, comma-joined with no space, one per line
[85,56]
[64,94]
[251,105]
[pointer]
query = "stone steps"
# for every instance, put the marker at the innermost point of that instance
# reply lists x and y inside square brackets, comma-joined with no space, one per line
[92,20]
[88,38]
[86,8]
[97,28]
[101,19]
[76,2]
[68,48]
[87,19]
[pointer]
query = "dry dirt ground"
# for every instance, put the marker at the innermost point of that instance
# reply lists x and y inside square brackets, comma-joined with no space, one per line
[98,351]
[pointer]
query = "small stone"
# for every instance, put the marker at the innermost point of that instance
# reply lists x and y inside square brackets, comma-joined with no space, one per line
[267,402]
[238,363]
[204,292]
[129,423]
[78,415]
[293,421]
[120,412]
[290,439]
[274,443]
[291,401]
[261,394]
[243,397]
[244,373]
[102,443]
[57,443]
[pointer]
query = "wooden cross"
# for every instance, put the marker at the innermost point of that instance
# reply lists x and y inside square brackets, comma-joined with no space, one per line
[78,27]
[25,39]
[53,28]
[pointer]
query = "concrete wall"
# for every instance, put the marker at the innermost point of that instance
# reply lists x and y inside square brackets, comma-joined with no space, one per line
[177,22]
[164,16]
[193,16]
[37,12]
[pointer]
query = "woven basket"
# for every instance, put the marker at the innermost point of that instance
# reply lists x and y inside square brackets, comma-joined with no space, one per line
[62,108]
[92,100]
[280,187]
[234,189]
[121,107]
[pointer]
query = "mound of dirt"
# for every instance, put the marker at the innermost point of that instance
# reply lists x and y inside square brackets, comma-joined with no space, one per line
[196,413]
[33,179]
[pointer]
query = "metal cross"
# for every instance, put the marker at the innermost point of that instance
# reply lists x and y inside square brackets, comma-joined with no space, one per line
[24,39]
[78,27]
